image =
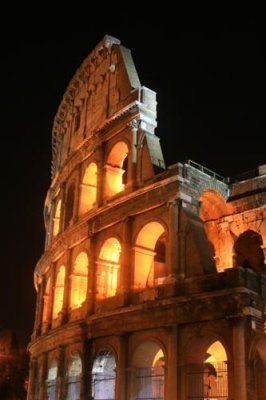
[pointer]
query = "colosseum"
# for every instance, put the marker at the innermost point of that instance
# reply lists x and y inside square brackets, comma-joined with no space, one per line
[152,283]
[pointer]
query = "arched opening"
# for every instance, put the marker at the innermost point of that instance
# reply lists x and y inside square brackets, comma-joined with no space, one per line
[51,381]
[88,189]
[108,268]
[116,162]
[59,292]
[248,251]
[79,281]
[212,208]
[73,377]
[257,371]
[103,376]
[46,296]
[56,220]
[69,210]
[207,375]
[150,267]
[148,362]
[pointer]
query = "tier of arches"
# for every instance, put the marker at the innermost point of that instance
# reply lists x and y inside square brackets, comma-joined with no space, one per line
[89,277]
[147,374]
[97,182]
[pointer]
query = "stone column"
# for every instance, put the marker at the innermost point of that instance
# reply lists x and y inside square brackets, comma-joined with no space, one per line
[100,176]
[171,366]
[32,379]
[39,307]
[182,233]
[240,383]
[86,376]
[125,258]
[60,381]
[172,242]
[131,377]
[67,288]
[42,395]
[92,279]
[47,323]
[132,160]
[121,369]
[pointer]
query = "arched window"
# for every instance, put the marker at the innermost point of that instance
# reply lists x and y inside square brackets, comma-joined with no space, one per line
[116,162]
[88,189]
[149,362]
[51,381]
[150,266]
[69,210]
[108,268]
[73,377]
[79,281]
[248,251]
[46,296]
[59,292]
[206,372]
[56,220]
[103,376]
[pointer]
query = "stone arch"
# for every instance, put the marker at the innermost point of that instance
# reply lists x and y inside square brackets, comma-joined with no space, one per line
[114,172]
[148,363]
[69,204]
[104,375]
[74,372]
[51,380]
[108,266]
[150,249]
[88,188]
[212,208]
[59,291]
[248,251]
[79,280]
[205,373]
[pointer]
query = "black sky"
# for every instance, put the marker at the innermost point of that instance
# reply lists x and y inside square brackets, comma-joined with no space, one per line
[209,79]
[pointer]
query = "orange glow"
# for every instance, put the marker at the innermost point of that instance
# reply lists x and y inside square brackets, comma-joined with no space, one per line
[88,189]
[79,281]
[114,169]
[45,300]
[108,268]
[145,255]
[56,220]
[59,292]
[216,352]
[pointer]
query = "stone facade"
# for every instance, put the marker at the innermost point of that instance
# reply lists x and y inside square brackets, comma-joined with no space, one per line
[152,284]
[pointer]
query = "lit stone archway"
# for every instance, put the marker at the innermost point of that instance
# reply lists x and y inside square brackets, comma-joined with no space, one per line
[79,281]
[206,373]
[212,208]
[104,376]
[116,169]
[148,366]
[248,251]
[88,189]
[73,377]
[108,265]
[59,291]
[150,268]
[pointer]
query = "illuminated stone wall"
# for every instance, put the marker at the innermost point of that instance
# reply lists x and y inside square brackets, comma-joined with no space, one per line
[152,282]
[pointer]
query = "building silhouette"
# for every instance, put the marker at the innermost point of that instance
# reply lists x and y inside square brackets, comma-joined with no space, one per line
[152,283]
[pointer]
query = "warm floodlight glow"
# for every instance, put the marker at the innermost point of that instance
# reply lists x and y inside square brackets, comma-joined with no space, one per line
[149,258]
[108,268]
[79,281]
[88,189]
[216,352]
[59,292]
[114,169]
[45,315]
[56,220]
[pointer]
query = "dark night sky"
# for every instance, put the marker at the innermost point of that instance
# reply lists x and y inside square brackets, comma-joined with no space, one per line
[209,79]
